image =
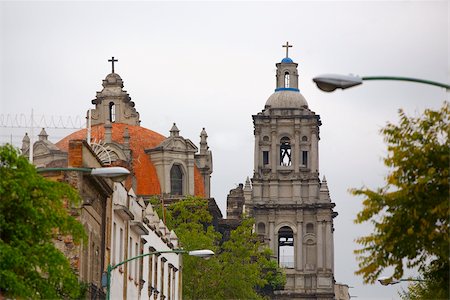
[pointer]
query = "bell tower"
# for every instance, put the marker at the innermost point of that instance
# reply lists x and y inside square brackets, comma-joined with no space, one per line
[291,206]
[113,104]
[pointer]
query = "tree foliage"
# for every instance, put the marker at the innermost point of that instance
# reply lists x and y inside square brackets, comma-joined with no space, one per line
[32,212]
[410,214]
[435,284]
[241,269]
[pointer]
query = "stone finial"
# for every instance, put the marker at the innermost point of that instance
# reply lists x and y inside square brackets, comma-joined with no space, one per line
[25,143]
[174,131]
[248,185]
[43,136]
[108,132]
[324,185]
[203,141]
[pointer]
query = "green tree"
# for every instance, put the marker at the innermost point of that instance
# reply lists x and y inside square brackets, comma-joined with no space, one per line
[410,214]
[239,270]
[33,210]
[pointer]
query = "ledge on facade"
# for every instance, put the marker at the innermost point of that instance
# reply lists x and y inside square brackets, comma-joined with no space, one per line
[329,205]
[139,227]
[123,212]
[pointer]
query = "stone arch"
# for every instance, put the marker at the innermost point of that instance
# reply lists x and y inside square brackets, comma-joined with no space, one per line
[286,247]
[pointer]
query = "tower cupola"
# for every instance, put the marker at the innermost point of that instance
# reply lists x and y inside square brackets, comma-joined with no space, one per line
[287,93]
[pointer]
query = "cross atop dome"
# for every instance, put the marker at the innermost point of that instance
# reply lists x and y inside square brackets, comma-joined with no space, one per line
[287,46]
[112,60]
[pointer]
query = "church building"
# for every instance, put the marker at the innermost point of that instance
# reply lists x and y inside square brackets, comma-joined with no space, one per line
[291,205]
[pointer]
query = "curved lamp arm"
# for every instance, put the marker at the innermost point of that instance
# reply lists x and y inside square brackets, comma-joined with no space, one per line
[331,82]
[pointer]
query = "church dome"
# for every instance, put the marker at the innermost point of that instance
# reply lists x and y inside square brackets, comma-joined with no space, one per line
[140,139]
[287,60]
[286,99]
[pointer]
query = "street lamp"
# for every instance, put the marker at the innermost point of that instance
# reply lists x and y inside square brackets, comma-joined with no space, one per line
[330,82]
[198,253]
[116,174]
[389,281]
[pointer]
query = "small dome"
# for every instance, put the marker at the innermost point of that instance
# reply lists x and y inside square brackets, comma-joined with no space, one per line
[287,60]
[113,79]
[286,99]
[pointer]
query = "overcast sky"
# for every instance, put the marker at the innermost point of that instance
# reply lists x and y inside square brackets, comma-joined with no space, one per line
[212,65]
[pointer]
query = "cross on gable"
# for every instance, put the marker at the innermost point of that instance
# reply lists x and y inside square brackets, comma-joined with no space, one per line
[112,60]
[287,46]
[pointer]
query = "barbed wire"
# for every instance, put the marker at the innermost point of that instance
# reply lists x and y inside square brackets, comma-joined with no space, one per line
[41,121]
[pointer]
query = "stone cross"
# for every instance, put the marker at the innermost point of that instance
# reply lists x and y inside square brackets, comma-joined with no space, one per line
[287,46]
[112,60]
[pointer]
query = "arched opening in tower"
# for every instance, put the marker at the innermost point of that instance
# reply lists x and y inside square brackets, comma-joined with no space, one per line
[112,112]
[287,79]
[286,247]
[285,152]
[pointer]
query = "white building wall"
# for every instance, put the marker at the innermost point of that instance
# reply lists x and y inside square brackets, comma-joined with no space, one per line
[138,279]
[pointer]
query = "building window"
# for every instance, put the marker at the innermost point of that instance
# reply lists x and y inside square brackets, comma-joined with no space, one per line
[112,112]
[155,277]
[130,255]
[305,158]
[163,260]
[176,180]
[285,152]
[287,79]
[286,247]
[121,245]
[114,241]
[261,228]
[150,271]
[136,262]
[265,157]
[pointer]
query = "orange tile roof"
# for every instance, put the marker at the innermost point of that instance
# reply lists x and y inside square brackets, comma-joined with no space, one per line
[140,139]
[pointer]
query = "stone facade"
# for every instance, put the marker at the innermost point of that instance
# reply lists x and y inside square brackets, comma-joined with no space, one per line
[291,206]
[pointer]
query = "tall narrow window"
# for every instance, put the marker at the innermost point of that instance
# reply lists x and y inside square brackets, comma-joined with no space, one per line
[112,112]
[287,79]
[286,247]
[305,158]
[130,255]
[136,262]
[176,180]
[114,241]
[265,157]
[285,152]
[150,271]
[121,245]
[163,260]
[155,277]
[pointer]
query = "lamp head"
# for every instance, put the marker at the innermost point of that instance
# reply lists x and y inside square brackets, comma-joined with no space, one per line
[330,82]
[387,281]
[202,253]
[116,174]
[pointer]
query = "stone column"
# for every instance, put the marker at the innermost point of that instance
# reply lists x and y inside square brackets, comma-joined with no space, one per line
[299,250]
[274,152]
[272,237]
[314,164]
[329,246]
[257,152]
[319,245]
[296,149]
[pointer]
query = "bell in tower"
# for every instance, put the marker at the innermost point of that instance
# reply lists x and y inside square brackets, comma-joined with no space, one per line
[290,208]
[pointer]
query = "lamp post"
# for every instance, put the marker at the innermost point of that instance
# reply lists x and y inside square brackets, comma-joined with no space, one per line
[388,281]
[116,174]
[331,82]
[199,253]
